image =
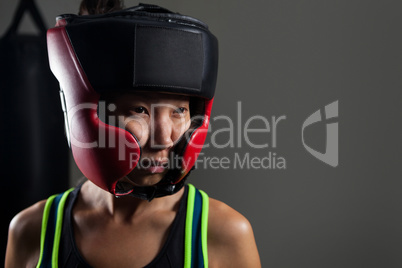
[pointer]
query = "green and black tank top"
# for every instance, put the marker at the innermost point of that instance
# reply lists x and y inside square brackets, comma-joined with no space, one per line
[186,245]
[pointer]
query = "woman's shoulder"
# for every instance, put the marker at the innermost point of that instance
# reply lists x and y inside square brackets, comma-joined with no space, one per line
[27,223]
[231,240]
[24,233]
[227,223]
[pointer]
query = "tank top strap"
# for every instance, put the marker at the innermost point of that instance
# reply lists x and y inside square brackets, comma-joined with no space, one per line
[195,241]
[52,220]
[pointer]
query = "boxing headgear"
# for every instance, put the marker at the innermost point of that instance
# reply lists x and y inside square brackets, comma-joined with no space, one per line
[144,48]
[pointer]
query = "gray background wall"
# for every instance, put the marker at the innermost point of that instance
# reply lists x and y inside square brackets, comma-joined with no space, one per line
[292,58]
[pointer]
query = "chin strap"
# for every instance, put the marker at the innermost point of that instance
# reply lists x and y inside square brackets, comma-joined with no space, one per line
[158,190]
[165,187]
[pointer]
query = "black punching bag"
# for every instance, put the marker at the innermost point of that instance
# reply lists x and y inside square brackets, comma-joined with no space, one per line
[33,148]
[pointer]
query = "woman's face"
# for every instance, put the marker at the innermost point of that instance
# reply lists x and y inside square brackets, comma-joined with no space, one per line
[157,121]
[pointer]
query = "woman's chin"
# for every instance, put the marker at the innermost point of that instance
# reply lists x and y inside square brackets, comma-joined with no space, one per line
[146,177]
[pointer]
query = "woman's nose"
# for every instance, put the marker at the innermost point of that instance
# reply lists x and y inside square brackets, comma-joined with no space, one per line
[161,134]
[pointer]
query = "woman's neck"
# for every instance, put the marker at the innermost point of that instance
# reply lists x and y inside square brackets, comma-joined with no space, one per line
[126,208]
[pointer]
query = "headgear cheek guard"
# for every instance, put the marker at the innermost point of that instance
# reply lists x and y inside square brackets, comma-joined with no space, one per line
[144,48]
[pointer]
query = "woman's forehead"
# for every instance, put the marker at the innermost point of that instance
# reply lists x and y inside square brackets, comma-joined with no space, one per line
[149,97]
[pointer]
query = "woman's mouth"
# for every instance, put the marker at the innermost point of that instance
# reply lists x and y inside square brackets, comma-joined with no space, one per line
[153,166]
[155,169]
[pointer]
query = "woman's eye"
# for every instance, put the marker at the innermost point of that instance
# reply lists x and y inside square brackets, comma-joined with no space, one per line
[180,110]
[140,110]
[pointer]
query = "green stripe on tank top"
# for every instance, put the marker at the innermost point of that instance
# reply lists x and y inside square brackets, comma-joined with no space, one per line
[204,226]
[59,223]
[45,219]
[189,226]
[58,227]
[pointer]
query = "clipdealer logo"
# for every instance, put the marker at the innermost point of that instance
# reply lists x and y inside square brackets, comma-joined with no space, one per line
[233,130]
[331,156]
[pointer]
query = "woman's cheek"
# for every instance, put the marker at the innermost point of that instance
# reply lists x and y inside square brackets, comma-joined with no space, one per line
[180,128]
[139,127]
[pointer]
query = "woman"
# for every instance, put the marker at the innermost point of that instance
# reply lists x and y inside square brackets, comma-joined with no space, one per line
[154,74]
